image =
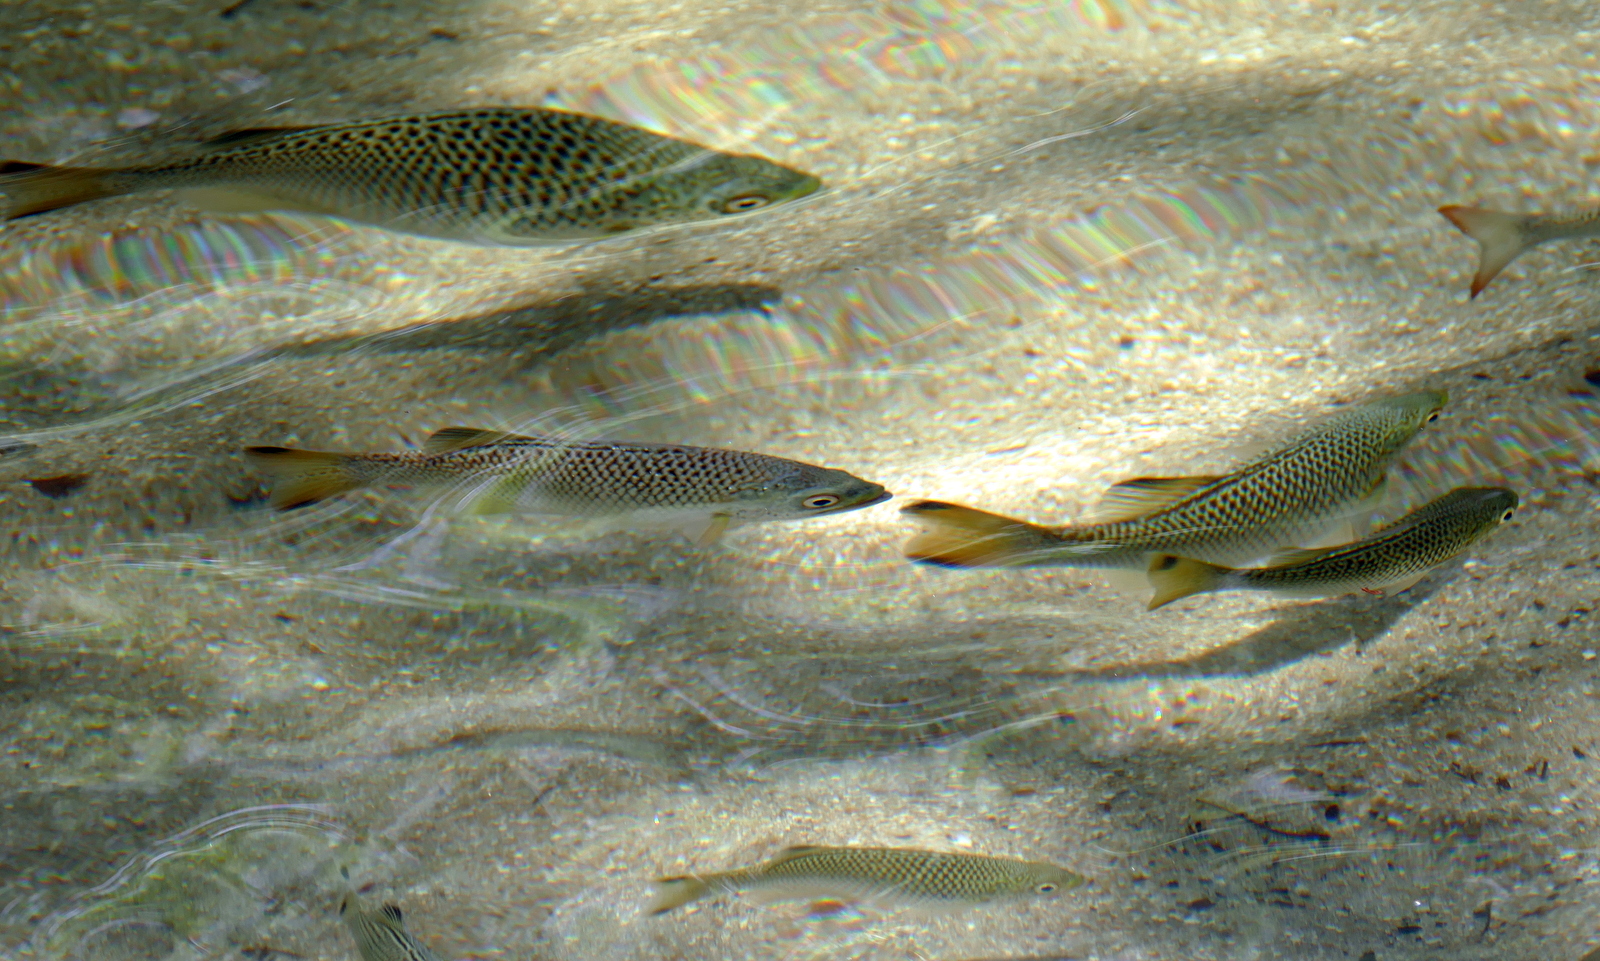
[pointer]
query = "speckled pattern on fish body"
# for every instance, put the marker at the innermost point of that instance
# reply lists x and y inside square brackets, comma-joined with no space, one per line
[381,935]
[1390,559]
[1278,499]
[498,175]
[888,876]
[499,473]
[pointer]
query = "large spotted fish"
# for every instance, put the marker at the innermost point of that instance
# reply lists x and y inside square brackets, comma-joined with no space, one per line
[498,175]
[887,877]
[1387,561]
[1288,496]
[660,484]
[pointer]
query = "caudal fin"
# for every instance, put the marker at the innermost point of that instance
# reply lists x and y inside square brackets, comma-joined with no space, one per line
[675,893]
[301,477]
[956,536]
[35,188]
[1499,236]
[1177,577]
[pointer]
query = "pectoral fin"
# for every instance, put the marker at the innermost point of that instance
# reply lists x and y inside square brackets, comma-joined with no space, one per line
[707,533]
[1130,499]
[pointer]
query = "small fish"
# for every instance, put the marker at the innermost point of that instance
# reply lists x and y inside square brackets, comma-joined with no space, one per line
[888,877]
[381,935]
[672,484]
[1503,237]
[1282,497]
[493,175]
[1388,561]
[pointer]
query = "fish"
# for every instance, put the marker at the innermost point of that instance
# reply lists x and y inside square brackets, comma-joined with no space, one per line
[1503,237]
[888,877]
[1387,561]
[701,488]
[381,934]
[1283,497]
[500,175]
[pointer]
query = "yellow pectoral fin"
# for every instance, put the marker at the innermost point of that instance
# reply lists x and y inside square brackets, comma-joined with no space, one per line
[1129,499]
[501,496]
[706,534]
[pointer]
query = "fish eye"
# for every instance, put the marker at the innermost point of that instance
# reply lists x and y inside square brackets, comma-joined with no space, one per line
[743,203]
[1432,417]
[819,501]
[1510,513]
[1048,887]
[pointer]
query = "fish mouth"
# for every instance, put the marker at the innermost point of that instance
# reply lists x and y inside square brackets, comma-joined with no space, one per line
[805,188]
[856,505]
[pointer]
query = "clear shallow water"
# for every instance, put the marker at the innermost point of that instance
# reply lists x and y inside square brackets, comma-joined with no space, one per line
[1063,245]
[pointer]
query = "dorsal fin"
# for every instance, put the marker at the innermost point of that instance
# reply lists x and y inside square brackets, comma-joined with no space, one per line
[234,138]
[392,912]
[1130,499]
[18,167]
[448,439]
[1290,556]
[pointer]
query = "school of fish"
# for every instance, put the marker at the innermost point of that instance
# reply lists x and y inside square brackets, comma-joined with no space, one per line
[540,176]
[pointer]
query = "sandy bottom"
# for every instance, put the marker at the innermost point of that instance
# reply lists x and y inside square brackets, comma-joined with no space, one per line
[1063,244]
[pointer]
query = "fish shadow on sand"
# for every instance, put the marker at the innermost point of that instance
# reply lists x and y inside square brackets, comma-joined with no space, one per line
[1303,631]
[551,326]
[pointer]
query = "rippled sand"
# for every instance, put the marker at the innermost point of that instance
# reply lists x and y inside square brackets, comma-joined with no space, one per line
[1063,245]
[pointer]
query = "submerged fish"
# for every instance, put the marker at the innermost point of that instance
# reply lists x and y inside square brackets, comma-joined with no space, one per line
[494,175]
[1387,561]
[509,473]
[1503,237]
[381,935]
[1283,497]
[889,877]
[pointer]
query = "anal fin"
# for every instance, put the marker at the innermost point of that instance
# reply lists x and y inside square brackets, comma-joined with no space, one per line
[1138,496]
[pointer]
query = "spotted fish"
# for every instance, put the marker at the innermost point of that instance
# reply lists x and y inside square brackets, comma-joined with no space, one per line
[1284,497]
[496,175]
[888,877]
[381,935]
[1387,561]
[1503,237]
[662,484]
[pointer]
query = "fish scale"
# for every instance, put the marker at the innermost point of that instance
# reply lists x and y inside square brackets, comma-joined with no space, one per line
[502,175]
[1278,499]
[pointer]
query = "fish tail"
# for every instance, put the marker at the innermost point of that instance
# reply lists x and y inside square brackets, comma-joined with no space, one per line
[1175,577]
[676,892]
[301,477]
[1500,239]
[957,536]
[35,188]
